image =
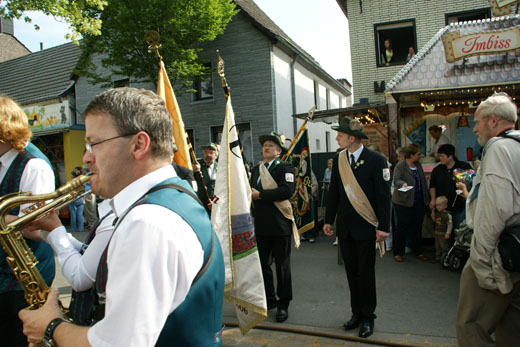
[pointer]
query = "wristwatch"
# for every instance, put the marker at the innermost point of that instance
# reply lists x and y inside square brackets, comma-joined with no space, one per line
[47,340]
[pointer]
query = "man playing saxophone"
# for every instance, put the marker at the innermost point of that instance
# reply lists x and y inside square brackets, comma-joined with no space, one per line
[22,168]
[160,280]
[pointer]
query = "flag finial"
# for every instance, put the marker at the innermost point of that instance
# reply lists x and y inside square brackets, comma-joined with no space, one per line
[220,71]
[152,38]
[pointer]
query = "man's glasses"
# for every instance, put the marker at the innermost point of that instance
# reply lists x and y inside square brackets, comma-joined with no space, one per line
[89,146]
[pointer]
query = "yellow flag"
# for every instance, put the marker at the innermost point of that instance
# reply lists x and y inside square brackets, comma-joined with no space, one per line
[165,91]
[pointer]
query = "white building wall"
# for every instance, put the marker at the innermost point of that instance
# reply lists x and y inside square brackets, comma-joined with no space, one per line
[283,94]
[304,94]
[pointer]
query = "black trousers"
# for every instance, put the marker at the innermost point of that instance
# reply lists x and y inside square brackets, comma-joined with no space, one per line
[279,249]
[359,257]
[10,325]
[409,227]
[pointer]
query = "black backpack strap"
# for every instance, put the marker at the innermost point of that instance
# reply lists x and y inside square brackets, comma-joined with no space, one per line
[507,135]
[184,190]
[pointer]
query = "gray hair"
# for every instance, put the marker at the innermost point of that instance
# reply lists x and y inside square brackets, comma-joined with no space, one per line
[135,110]
[501,105]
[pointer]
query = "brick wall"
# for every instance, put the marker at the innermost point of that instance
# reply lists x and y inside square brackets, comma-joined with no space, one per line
[11,48]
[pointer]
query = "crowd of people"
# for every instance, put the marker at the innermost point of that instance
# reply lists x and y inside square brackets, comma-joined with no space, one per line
[177,273]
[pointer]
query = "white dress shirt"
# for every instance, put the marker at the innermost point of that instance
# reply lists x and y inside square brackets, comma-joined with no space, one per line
[152,260]
[37,176]
[80,270]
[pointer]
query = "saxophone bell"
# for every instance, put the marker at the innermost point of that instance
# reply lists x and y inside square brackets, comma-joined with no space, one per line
[19,256]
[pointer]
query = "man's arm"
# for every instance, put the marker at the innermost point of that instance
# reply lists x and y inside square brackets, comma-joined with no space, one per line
[35,322]
[494,208]
[433,196]
[383,197]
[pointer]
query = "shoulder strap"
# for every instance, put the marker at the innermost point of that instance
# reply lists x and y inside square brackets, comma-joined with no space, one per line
[509,136]
[184,190]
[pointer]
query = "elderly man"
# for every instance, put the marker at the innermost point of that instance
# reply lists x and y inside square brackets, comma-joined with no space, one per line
[273,184]
[208,169]
[22,168]
[489,299]
[359,200]
[160,280]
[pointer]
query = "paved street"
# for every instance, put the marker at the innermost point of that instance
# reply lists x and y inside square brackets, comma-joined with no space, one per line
[416,303]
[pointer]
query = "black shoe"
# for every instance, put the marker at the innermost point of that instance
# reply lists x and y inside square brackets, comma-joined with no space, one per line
[282,315]
[352,323]
[366,329]
[271,305]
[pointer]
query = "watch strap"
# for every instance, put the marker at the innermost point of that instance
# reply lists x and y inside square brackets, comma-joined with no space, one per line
[49,331]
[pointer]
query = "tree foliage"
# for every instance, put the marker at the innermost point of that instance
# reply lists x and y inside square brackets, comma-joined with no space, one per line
[82,15]
[182,24]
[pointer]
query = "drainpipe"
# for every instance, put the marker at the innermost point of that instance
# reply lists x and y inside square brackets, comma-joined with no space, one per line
[293,95]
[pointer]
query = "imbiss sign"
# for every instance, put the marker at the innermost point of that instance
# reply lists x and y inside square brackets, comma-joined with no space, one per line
[457,47]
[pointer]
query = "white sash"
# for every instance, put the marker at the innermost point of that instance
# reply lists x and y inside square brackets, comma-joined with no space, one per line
[284,206]
[356,195]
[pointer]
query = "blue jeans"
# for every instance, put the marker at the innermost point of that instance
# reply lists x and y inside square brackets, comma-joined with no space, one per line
[409,226]
[76,215]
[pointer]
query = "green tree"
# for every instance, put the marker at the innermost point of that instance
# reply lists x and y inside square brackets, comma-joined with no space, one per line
[82,15]
[182,25]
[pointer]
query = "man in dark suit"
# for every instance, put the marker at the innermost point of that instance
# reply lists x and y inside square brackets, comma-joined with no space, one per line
[208,169]
[183,172]
[272,227]
[357,236]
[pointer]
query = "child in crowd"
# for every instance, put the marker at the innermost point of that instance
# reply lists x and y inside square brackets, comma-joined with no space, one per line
[443,227]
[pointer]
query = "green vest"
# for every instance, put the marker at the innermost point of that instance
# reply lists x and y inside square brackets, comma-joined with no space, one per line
[198,320]
[42,251]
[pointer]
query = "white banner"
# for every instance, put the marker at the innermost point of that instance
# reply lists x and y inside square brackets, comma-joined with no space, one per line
[231,219]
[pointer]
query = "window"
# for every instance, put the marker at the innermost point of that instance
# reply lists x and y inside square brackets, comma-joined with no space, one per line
[125,82]
[204,85]
[393,42]
[244,134]
[318,145]
[482,13]
[327,99]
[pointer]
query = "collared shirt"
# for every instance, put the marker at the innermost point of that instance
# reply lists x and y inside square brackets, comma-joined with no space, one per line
[356,153]
[80,269]
[211,170]
[152,260]
[37,176]
[267,166]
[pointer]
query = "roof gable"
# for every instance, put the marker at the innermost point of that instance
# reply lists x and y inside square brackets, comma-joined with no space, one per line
[269,28]
[428,69]
[39,76]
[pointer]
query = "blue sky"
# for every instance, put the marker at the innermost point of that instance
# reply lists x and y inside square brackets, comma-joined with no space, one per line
[319,27]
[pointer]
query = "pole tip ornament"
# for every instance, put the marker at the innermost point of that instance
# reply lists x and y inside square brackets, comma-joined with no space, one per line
[220,71]
[152,38]
[310,114]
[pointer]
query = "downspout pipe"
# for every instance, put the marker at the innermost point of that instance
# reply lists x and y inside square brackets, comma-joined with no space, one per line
[293,94]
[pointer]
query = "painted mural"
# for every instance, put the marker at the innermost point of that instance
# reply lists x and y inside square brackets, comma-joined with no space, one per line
[48,117]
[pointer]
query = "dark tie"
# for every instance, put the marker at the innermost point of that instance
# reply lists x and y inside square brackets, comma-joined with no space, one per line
[266,165]
[352,161]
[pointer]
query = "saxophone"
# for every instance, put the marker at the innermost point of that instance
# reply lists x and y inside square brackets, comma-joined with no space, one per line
[19,256]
